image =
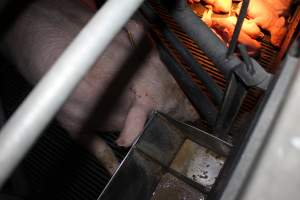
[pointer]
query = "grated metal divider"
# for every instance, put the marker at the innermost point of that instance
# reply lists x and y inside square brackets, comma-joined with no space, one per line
[56,168]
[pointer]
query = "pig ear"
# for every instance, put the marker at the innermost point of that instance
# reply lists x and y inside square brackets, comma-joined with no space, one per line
[134,125]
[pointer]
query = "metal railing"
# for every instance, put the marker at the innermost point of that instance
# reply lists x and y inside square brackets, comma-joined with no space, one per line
[38,109]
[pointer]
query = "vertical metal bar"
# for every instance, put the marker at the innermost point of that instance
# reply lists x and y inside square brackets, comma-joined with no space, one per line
[274,173]
[238,27]
[203,36]
[240,165]
[197,97]
[38,109]
[210,84]
[236,90]
[235,93]
[212,46]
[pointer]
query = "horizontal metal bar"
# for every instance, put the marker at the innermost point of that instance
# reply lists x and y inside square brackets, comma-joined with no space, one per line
[38,109]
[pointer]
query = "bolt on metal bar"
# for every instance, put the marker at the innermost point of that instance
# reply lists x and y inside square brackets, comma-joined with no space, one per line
[35,113]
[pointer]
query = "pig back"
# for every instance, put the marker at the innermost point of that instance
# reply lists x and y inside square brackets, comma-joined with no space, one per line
[41,33]
[125,83]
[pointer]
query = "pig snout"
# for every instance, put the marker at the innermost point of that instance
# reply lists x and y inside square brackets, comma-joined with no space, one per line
[123,87]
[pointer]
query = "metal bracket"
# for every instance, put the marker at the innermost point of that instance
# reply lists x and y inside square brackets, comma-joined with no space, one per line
[236,91]
[258,77]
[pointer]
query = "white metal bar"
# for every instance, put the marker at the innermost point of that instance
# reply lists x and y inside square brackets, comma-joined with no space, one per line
[38,109]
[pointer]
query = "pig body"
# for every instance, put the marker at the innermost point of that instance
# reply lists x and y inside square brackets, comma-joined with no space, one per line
[120,90]
[223,6]
[249,32]
[267,18]
[249,27]
[193,1]
[280,6]
[220,6]
[224,28]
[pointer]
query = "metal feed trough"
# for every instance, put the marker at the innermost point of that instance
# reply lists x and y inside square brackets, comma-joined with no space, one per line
[170,160]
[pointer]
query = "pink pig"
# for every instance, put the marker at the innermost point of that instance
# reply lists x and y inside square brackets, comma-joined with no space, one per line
[124,86]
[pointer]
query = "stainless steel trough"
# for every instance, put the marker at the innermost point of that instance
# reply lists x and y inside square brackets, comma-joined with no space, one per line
[170,160]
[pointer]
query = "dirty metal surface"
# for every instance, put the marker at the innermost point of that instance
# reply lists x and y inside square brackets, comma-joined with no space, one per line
[142,174]
[161,141]
[198,163]
[136,179]
[171,188]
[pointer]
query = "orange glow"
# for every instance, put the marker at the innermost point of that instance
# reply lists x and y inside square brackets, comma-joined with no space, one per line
[263,15]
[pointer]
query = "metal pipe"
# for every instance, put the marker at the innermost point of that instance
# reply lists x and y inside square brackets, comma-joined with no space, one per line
[212,87]
[234,97]
[238,27]
[211,45]
[207,41]
[25,126]
[197,97]
[210,84]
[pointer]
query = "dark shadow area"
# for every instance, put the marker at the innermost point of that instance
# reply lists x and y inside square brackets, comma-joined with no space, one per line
[56,167]
[9,11]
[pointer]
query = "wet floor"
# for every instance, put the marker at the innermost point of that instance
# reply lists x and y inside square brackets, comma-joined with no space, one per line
[198,163]
[171,188]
